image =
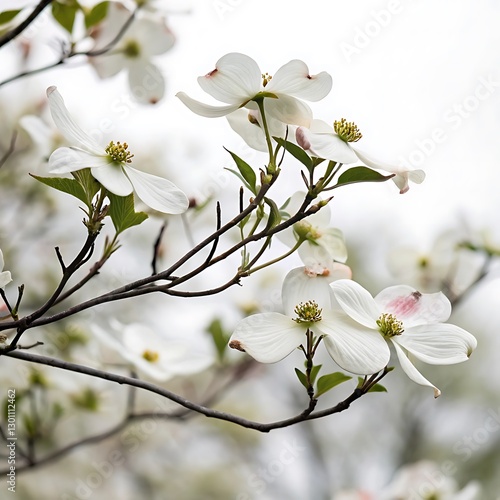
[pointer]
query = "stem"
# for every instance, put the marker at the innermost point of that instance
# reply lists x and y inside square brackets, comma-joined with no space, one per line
[277,259]
[271,168]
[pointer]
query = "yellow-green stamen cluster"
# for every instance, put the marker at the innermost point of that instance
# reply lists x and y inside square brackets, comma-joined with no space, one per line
[309,312]
[266,78]
[347,131]
[150,356]
[119,152]
[304,230]
[132,49]
[389,325]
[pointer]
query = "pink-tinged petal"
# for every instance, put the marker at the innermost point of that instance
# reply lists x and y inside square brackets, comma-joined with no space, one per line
[356,302]
[64,160]
[301,286]
[328,146]
[313,255]
[112,177]
[412,372]
[235,79]
[67,126]
[206,110]
[288,110]
[412,307]
[146,82]
[243,123]
[153,37]
[267,337]
[441,344]
[294,79]
[158,193]
[353,348]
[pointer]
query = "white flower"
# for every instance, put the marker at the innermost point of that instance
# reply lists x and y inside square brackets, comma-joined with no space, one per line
[410,320]
[335,144]
[153,353]
[110,165]
[145,37]
[238,81]
[269,337]
[5,276]
[322,244]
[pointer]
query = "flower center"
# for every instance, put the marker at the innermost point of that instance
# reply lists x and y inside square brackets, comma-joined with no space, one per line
[266,78]
[347,131]
[151,356]
[132,49]
[309,312]
[306,231]
[119,152]
[389,325]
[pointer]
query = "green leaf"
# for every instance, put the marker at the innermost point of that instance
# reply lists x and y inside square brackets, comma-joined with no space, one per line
[327,382]
[362,174]
[274,214]
[69,186]
[8,15]
[302,377]
[295,151]
[64,13]
[246,172]
[88,183]
[96,14]
[122,212]
[378,388]
[314,372]
[219,337]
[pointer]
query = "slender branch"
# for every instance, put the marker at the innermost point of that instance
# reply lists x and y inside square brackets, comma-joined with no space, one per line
[156,248]
[13,33]
[12,147]
[208,412]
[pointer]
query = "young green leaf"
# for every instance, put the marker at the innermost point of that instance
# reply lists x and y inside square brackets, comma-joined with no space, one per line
[274,214]
[89,184]
[378,388]
[96,14]
[69,186]
[302,377]
[122,212]
[296,152]
[246,172]
[8,15]
[219,337]
[65,12]
[314,372]
[327,382]
[361,174]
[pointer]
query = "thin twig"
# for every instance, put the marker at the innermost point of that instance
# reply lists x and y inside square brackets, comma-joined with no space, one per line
[156,248]
[12,147]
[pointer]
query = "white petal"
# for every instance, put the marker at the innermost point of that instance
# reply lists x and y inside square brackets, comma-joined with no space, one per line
[64,160]
[158,193]
[5,278]
[356,302]
[235,79]
[112,177]
[66,125]
[206,110]
[354,348]
[332,240]
[294,79]
[267,337]
[288,110]
[1,260]
[313,255]
[108,65]
[153,36]
[328,146]
[412,372]
[250,132]
[146,82]
[412,307]
[441,344]
[300,286]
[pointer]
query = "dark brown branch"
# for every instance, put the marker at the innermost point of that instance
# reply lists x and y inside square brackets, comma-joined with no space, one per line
[208,412]
[13,33]
[156,248]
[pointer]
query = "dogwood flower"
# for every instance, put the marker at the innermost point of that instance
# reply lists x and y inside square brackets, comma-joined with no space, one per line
[270,337]
[109,165]
[146,37]
[238,81]
[411,321]
[323,142]
[5,276]
[322,242]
